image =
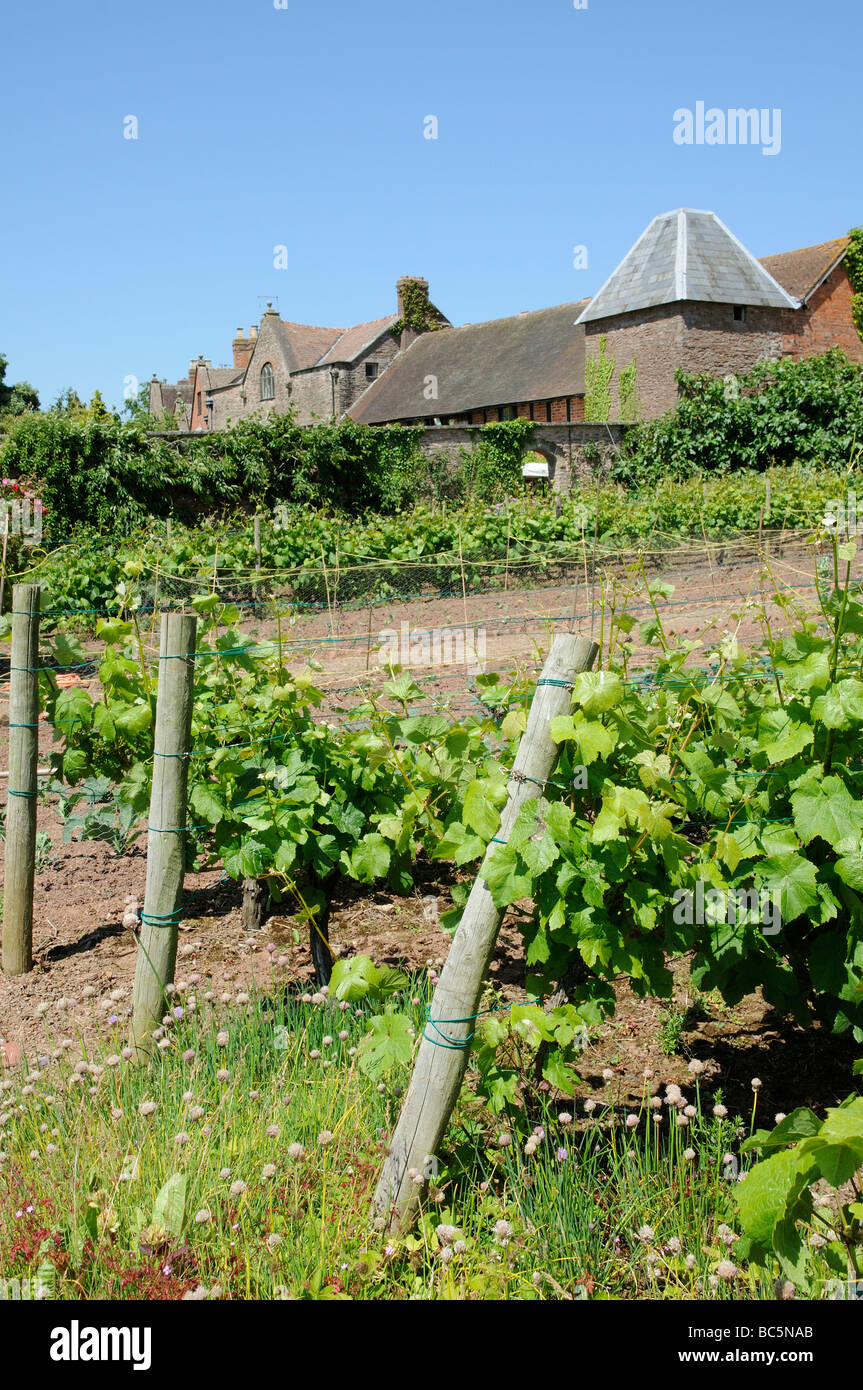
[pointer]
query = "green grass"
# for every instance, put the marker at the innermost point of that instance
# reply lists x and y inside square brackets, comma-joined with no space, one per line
[83,1169]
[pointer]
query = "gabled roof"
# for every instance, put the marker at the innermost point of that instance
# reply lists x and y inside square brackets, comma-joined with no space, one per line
[182,391]
[686,255]
[217,377]
[303,344]
[801,272]
[353,342]
[529,357]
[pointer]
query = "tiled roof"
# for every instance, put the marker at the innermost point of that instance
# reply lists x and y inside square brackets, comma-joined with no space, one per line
[530,357]
[682,255]
[354,341]
[801,272]
[304,344]
[217,377]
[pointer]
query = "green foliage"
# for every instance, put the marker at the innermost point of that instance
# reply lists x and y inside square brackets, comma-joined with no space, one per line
[740,779]
[854,265]
[388,1043]
[357,977]
[419,313]
[776,1205]
[784,412]
[491,468]
[671,1030]
[627,391]
[95,471]
[17,399]
[598,375]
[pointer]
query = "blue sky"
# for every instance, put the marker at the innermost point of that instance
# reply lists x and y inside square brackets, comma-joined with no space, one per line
[304,127]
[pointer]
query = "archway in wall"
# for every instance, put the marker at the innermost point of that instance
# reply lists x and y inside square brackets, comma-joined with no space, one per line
[538,468]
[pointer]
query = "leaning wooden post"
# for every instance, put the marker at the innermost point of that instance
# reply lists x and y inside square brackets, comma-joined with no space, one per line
[166,849]
[23,761]
[439,1067]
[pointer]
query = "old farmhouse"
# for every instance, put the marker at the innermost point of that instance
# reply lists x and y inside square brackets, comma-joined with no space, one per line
[688,295]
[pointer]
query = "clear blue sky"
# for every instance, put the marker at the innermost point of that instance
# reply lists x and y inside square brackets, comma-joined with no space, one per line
[304,127]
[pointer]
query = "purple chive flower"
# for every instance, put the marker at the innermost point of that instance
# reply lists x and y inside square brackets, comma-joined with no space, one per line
[178,1012]
[113,1019]
[562,1154]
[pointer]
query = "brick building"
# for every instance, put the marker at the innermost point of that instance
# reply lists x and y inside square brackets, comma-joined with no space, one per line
[688,295]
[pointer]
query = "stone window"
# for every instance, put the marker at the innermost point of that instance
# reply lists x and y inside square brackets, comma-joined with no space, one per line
[371,371]
[740,313]
[268,383]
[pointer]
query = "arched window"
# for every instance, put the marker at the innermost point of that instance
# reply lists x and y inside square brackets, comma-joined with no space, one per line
[268,384]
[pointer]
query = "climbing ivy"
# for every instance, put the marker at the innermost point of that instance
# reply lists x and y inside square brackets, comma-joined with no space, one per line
[419,312]
[854,266]
[598,374]
[627,390]
[491,468]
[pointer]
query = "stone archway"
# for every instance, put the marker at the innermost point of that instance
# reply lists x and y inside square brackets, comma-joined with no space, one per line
[539,467]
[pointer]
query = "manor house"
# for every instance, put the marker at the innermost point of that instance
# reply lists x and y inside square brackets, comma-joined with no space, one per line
[687,295]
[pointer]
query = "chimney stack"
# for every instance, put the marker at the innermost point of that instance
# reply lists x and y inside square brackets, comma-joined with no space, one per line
[243,349]
[400,290]
[420,292]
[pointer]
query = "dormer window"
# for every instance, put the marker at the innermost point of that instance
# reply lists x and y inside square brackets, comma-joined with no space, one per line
[268,383]
[371,371]
[740,313]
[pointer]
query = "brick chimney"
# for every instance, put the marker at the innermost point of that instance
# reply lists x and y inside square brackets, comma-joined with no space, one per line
[243,349]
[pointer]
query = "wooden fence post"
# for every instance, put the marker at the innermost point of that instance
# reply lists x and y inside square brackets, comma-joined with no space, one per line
[439,1068]
[166,849]
[23,762]
[257,540]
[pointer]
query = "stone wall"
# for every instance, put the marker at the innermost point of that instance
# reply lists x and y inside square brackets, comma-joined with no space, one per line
[693,337]
[563,445]
[312,390]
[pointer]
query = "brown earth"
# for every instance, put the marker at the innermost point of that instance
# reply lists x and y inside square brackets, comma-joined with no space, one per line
[84,955]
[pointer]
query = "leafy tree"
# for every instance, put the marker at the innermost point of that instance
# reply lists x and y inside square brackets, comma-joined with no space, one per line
[138,409]
[69,403]
[15,400]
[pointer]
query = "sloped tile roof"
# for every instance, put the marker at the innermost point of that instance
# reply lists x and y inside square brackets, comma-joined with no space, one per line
[354,341]
[303,344]
[801,272]
[217,377]
[686,254]
[529,357]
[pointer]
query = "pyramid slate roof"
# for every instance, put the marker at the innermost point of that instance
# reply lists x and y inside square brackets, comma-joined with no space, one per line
[686,255]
